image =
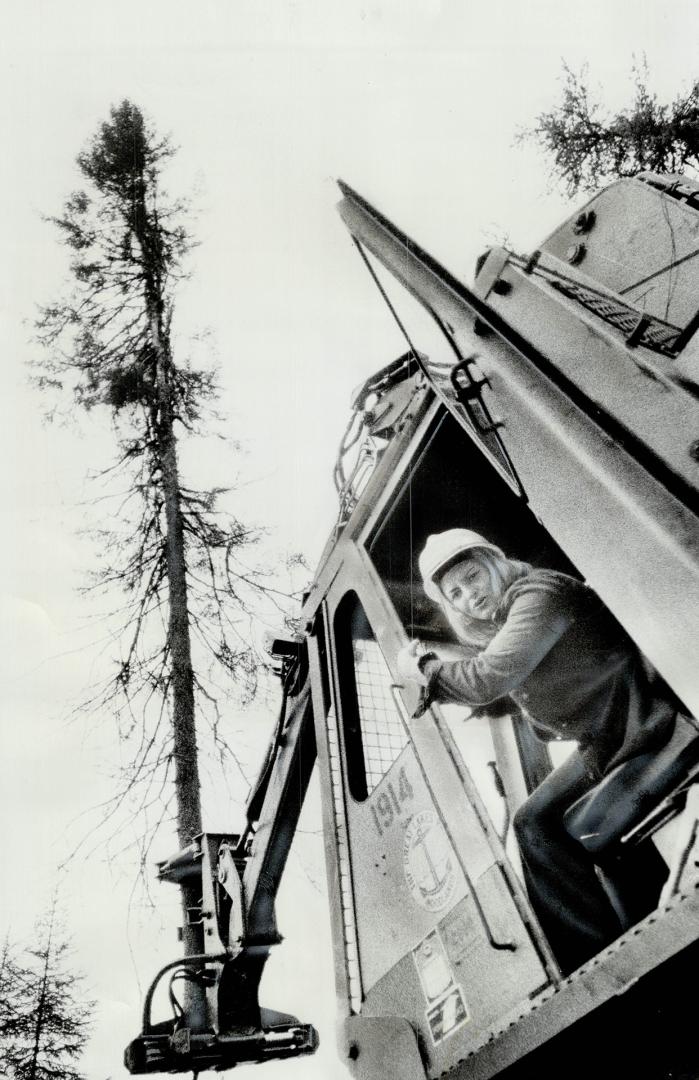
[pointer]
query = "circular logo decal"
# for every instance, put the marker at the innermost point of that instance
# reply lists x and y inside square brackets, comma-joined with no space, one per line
[429,862]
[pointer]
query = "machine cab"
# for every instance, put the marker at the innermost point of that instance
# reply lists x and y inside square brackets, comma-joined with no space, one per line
[438,951]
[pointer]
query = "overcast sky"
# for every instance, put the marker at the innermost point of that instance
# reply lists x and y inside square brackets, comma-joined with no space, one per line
[416,105]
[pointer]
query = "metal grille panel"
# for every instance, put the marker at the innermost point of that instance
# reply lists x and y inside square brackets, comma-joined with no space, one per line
[383,732]
[658,335]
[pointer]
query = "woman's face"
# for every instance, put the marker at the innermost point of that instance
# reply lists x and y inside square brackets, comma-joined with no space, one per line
[468,588]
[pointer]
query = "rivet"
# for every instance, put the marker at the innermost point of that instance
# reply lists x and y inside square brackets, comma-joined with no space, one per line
[694,450]
[576,253]
[584,222]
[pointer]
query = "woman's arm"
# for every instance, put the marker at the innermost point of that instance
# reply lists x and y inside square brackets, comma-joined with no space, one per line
[535,622]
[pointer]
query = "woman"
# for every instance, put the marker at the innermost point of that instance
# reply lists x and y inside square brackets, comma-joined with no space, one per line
[548,641]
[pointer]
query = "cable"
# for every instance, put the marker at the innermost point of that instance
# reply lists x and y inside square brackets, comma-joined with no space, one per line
[383,292]
[183,961]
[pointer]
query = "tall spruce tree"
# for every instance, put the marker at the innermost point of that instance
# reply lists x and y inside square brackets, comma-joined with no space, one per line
[44,1029]
[177,557]
[588,145]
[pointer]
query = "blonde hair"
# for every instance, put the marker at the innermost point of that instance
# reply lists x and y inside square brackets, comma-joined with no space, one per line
[476,634]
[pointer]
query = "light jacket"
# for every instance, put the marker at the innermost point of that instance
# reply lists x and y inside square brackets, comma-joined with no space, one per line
[565,659]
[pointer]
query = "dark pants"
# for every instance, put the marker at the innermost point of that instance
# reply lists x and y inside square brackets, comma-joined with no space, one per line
[581,905]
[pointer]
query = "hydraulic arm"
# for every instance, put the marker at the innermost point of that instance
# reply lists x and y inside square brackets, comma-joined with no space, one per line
[238,876]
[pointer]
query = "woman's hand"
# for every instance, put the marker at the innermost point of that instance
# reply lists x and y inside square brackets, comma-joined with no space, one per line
[408,662]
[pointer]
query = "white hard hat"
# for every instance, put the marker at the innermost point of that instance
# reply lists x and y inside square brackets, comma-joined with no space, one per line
[444,548]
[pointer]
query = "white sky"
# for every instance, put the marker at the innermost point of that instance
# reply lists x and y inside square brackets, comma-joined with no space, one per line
[413,102]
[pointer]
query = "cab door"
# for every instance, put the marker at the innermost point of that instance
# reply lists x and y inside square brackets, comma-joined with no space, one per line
[430,921]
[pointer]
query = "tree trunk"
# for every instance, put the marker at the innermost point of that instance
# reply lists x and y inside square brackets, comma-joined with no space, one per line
[187,786]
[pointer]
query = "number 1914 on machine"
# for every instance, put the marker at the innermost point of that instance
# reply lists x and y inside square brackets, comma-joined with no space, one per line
[386,805]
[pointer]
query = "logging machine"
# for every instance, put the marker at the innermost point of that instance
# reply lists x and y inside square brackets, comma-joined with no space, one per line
[552,406]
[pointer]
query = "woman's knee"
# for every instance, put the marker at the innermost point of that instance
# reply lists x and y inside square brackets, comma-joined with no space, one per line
[537,820]
[528,822]
[544,809]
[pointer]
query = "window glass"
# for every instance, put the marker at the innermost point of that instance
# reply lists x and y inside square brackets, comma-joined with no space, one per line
[373,729]
[383,734]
